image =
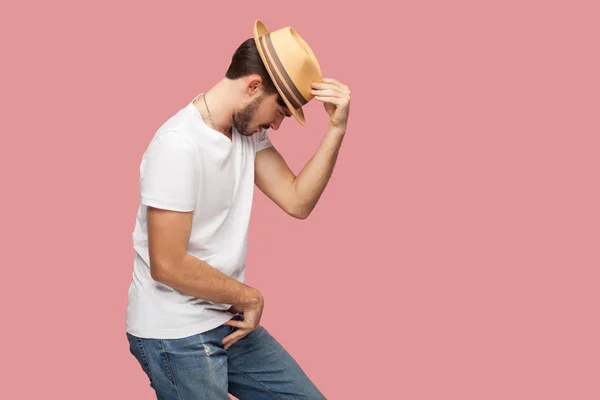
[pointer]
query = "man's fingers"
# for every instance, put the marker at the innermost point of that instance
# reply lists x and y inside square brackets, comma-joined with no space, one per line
[236,323]
[329,85]
[228,341]
[335,82]
[330,89]
[327,92]
[327,99]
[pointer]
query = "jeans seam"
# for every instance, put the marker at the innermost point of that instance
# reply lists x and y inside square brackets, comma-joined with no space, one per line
[146,365]
[168,368]
[254,380]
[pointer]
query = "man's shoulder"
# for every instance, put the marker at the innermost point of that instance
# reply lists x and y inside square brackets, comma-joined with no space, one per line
[173,137]
[180,124]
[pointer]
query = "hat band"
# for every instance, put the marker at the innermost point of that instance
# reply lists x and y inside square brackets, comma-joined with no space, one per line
[284,82]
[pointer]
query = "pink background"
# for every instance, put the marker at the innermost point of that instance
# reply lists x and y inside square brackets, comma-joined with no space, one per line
[454,255]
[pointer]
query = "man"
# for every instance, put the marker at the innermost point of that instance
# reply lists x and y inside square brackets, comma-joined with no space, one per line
[192,323]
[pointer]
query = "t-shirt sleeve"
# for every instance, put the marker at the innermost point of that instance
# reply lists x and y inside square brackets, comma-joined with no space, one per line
[262,141]
[170,173]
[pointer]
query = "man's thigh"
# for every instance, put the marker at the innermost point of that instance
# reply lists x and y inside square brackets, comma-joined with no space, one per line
[194,367]
[260,368]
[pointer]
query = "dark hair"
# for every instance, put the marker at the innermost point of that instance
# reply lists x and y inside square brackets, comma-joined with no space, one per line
[246,61]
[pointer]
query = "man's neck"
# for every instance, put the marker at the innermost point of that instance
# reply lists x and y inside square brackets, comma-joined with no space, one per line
[220,101]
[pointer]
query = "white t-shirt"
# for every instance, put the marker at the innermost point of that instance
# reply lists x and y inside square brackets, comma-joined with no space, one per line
[188,166]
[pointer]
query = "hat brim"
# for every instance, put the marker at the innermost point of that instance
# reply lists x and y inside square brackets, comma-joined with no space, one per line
[259,30]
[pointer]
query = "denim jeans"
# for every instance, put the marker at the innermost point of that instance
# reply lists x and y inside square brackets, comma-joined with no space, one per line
[198,367]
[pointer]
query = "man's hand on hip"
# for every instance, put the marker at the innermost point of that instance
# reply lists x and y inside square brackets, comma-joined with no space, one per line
[252,314]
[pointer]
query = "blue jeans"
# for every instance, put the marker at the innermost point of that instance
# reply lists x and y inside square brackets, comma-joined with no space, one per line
[198,367]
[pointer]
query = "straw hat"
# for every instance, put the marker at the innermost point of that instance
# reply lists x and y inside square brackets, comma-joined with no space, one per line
[291,64]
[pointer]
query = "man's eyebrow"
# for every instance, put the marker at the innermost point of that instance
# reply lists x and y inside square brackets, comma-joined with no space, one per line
[286,111]
[281,103]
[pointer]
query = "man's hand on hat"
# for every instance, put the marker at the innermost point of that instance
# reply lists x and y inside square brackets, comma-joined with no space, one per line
[336,98]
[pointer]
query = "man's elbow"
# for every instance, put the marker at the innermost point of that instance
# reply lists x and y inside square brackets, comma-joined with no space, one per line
[161,270]
[157,272]
[300,211]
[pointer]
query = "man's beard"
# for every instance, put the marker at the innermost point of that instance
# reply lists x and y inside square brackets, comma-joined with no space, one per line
[242,118]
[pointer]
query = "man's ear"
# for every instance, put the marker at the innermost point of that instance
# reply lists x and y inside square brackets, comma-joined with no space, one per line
[253,84]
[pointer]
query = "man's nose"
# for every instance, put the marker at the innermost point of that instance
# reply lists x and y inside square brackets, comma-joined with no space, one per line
[276,124]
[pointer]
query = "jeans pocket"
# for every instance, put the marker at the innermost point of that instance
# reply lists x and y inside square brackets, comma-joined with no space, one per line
[166,363]
[136,348]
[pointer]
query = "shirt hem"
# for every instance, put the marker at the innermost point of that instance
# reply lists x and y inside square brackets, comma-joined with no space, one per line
[178,333]
[168,205]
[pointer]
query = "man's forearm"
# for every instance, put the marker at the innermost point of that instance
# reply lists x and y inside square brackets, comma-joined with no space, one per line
[197,278]
[312,180]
